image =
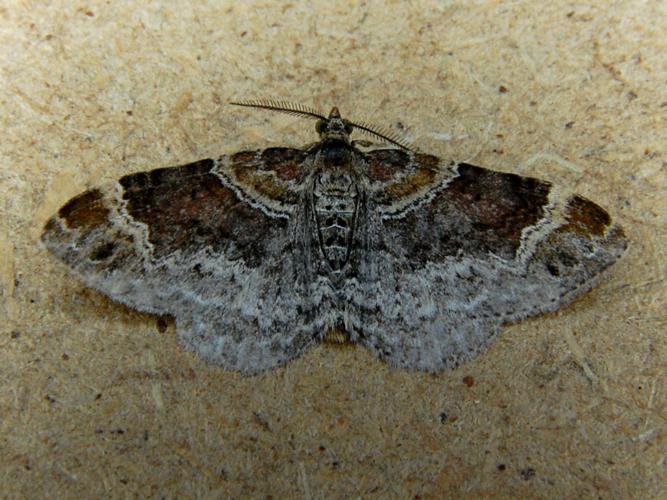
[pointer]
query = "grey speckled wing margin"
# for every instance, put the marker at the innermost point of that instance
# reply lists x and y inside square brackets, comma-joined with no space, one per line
[257,255]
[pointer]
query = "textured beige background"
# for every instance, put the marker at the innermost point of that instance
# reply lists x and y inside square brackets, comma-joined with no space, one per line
[96,399]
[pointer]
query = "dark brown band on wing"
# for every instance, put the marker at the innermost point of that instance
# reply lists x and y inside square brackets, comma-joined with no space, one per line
[167,175]
[499,202]
[85,210]
[585,217]
[401,175]
[479,212]
[268,176]
[385,164]
[285,162]
[187,209]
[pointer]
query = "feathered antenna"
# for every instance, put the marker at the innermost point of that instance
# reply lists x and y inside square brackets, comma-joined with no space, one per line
[302,110]
[382,133]
[282,106]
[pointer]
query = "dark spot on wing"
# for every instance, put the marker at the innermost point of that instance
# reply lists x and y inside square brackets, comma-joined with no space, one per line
[103,251]
[85,211]
[585,217]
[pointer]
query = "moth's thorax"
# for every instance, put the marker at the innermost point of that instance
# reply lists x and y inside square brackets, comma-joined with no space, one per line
[335,205]
[335,154]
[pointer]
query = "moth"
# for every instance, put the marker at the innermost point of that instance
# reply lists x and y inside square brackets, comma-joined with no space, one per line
[258,254]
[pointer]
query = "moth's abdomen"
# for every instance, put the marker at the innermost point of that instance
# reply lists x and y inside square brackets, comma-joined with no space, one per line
[335,209]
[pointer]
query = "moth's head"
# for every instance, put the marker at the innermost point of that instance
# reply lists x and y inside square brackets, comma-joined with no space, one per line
[334,127]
